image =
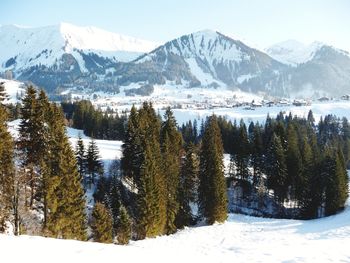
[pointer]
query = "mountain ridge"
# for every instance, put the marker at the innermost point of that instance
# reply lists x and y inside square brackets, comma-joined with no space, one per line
[89,58]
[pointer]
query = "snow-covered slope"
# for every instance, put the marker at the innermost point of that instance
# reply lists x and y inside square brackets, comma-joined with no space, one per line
[14,90]
[292,52]
[207,59]
[239,239]
[23,47]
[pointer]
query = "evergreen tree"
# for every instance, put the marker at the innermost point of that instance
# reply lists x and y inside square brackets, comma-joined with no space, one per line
[336,186]
[26,143]
[171,144]
[94,166]
[212,184]
[65,195]
[257,154]
[7,168]
[309,187]
[188,187]
[293,162]
[142,162]
[277,171]
[132,148]
[101,224]
[124,227]
[80,156]
[242,150]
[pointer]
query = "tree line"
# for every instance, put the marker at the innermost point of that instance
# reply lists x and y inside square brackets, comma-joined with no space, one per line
[107,125]
[166,172]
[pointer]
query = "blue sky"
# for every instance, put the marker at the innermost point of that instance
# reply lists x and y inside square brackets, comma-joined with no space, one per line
[257,22]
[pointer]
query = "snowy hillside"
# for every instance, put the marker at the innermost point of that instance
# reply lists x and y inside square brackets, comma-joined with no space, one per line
[23,47]
[292,52]
[208,58]
[239,239]
[14,90]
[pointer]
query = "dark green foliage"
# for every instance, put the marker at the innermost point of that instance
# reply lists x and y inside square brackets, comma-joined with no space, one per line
[80,155]
[294,163]
[124,227]
[336,183]
[171,145]
[101,224]
[256,153]
[142,164]
[212,184]
[108,125]
[277,170]
[188,187]
[7,167]
[50,168]
[65,195]
[242,150]
[94,166]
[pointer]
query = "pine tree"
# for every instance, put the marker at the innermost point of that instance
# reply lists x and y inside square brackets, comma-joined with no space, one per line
[293,162]
[3,94]
[7,168]
[171,144]
[101,224]
[26,142]
[257,154]
[336,186]
[142,162]
[94,166]
[80,156]
[124,227]
[188,187]
[65,195]
[242,149]
[309,187]
[132,148]
[212,184]
[277,171]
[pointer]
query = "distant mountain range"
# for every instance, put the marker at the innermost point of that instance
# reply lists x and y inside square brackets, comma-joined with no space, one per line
[87,58]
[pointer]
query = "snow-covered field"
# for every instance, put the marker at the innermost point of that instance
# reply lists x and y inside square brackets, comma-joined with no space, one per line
[338,108]
[239,239]
[109,150]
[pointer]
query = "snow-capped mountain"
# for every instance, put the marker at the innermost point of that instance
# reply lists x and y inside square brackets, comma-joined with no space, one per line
[65,56]
[66,50]
[292,52]
[208,59]
[22,47]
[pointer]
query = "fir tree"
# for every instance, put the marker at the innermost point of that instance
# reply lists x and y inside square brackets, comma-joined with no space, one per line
[94,166]
[171,144]
[188,187]
[257,154]
[80,155]
[293,162]
[101,224]
[124,227]
[309,187]
[65,195]
[242,150]
[277,170]
[212,186]
[7,168]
